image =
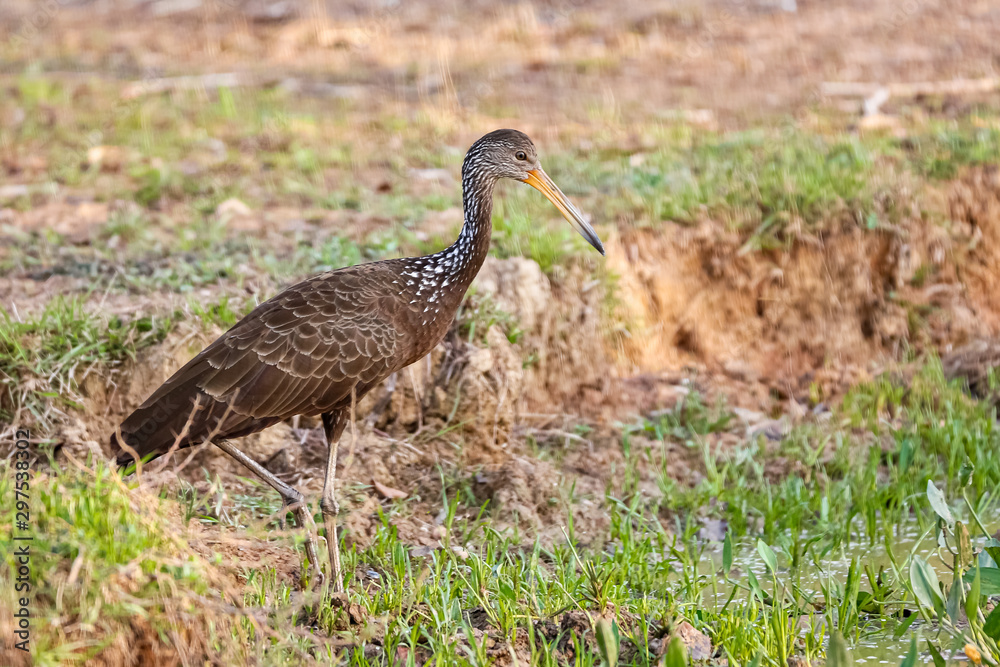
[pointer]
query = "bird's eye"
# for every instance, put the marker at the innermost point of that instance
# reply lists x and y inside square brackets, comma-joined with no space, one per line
[520,155]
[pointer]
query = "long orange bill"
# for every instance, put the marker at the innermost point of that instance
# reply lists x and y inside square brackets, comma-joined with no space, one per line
[539,180]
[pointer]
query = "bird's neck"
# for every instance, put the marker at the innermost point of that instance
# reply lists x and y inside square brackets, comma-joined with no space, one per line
[460,262]
[473,243]
[439,281]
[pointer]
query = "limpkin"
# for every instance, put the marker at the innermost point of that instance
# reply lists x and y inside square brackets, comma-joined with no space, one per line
[318,346]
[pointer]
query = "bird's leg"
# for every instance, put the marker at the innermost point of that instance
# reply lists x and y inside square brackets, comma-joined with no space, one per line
[333,425]
[291,499]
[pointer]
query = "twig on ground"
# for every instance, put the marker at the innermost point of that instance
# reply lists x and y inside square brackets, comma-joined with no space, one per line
[170,84]
[877,94]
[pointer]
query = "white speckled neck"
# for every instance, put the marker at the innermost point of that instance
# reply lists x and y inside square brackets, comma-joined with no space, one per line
[448,273]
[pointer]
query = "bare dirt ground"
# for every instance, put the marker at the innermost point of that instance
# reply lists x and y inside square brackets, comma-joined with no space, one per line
[547,62]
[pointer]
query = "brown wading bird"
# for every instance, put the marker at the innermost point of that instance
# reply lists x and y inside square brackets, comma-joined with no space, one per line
[320,345]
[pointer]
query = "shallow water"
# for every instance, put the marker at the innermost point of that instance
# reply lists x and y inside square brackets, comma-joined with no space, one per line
[876,646]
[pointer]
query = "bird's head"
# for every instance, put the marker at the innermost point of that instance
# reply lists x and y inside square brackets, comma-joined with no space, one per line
[511,154]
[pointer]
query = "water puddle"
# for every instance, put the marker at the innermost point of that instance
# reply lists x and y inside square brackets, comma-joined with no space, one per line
[876,645]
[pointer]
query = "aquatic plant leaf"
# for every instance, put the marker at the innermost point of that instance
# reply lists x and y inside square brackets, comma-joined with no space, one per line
[905,625]
[954,601]
[936,656]
[990,580]
[924,582]
[972,600]
[767,553]
[755,588]
[993,549]
[939,504]
[910,660]
[727,553]
[991,628]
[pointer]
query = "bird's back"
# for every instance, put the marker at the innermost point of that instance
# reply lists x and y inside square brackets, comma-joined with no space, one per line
[301,352]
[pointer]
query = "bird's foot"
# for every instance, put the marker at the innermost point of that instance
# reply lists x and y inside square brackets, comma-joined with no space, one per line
[311,552]
[303,518]
[330,511]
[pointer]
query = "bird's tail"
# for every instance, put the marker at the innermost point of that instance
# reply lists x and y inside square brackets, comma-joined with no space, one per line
[176,412]
[180,413]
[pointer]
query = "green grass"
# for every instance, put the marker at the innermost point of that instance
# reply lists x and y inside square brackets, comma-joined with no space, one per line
[755,178]
[268,148]
[945,148]
[44,355]
[803,517]
[856,480]
[821,547]
[105,558]
[520,233]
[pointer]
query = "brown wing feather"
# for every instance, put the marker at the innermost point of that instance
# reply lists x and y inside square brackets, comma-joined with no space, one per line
[300,352]
[295,357]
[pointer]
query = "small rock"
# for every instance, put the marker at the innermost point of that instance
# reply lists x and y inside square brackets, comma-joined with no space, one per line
[481,360]
[699,646]
[740,370]
[232,207]
[773,429]
[749,417]
[10,192]
[422,551]
[105,158]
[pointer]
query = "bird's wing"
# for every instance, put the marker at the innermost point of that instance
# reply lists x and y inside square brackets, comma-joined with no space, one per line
[303,351]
